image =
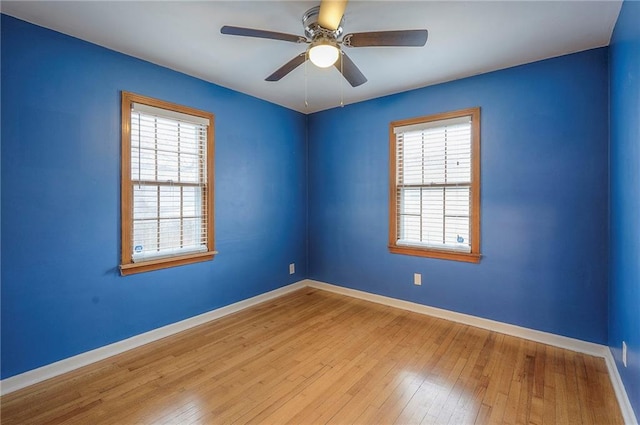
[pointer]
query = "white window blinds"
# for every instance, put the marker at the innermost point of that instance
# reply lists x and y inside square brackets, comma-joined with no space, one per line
[433,184]
[169,183]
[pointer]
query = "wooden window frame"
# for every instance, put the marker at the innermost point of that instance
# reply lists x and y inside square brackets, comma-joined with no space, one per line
[470,257]
[127,266]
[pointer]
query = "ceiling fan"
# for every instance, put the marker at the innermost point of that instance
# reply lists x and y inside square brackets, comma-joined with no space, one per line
[323,27]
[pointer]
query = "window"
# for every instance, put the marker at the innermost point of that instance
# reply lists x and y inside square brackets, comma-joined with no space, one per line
[434,200]
[167,185]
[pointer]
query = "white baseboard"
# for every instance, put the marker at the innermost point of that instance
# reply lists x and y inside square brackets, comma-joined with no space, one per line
[621,393]
[505,328]
[40,374]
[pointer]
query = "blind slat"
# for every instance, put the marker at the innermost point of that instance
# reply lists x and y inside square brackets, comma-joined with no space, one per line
[166,113]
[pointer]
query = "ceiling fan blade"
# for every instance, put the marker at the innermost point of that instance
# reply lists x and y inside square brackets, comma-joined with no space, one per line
[287,67]
[331,13]
[407,38]
[250,32]
[350,71]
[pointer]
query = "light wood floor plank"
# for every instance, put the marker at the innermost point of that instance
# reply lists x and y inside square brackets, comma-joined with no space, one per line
[314,357]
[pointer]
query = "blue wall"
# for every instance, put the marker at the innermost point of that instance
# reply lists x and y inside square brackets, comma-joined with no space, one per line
[624,289]
[61,290]
[544,143]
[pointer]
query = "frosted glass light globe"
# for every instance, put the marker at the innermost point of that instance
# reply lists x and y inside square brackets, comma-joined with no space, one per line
[323,55]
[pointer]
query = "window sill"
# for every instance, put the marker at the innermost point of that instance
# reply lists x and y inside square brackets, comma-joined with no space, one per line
[434,253]
[164,263]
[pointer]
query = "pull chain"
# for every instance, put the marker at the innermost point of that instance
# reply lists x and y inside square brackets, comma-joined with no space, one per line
[342,80]
[306,78]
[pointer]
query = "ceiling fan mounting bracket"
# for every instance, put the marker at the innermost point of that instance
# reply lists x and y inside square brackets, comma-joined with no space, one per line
[346,40]
[313,30]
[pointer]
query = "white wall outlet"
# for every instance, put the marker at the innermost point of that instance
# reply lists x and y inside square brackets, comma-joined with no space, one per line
[417,279]
[292,268]
[624,353]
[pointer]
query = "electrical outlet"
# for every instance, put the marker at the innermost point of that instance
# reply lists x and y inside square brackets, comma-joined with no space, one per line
[624,353]
[417,279]
[292,268]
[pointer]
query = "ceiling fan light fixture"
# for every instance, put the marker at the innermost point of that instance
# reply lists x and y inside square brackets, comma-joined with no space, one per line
[324,53]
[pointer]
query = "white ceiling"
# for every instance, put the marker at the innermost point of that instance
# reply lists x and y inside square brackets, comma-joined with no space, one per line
[465,38]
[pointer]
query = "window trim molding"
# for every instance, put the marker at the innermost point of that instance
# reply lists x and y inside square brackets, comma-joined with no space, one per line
[127,266]
[470,257]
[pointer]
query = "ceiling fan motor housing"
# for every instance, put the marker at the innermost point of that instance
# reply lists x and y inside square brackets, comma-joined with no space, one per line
[314,31]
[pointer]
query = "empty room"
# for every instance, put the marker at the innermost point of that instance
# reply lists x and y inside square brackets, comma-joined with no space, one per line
[320,212]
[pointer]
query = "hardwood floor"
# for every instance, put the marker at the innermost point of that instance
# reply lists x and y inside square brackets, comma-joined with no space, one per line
[314,357]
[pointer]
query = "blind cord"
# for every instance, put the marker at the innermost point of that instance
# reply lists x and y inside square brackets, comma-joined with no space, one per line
[139,155]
